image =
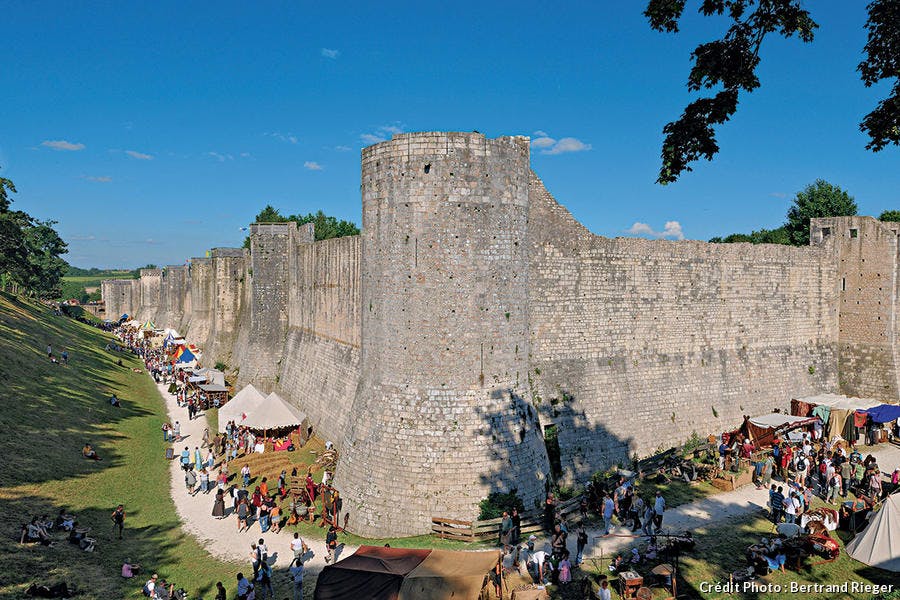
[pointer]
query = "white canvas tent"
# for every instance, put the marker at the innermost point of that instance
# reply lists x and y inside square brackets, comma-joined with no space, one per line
[274,413]
[842,402]
[878,545]
[243,403]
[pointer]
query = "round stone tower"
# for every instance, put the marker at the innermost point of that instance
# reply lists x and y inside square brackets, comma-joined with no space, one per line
[442,415]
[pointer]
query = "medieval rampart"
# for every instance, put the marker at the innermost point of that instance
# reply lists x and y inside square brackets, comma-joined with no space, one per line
[474,317]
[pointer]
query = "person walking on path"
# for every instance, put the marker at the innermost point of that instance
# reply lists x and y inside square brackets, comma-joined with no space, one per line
[298,546]
[218,510]
[185,458]
[190,480]
[296,573]
[176,431]
[659,507]
[580,543]
[609,508]
[118,519]
[243,510]
[198,459]
[331,543]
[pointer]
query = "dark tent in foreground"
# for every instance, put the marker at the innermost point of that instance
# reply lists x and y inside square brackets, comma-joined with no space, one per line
[378,573]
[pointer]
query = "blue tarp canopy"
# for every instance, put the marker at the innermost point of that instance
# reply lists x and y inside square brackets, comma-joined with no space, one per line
[186,356]
[123,317]
[884,413]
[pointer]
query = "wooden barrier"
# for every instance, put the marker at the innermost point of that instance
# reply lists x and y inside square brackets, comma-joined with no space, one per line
[473,531]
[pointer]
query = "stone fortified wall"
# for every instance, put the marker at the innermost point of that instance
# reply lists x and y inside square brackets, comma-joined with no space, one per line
[121,296]
[637,344]
[151,295]
[866,286]
[444,417]
[474,317]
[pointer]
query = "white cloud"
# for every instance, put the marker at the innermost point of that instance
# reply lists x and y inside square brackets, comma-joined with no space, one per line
[567,144]
[371,138]
[542,142]
[82,238]
[220,157]
[778,195]
[382,133]
[329,53]
[98,179]
[343,148]
[245,155]
[671,230]
[549,145]
[290,138]
[313,165]
[63,145]
[139,155]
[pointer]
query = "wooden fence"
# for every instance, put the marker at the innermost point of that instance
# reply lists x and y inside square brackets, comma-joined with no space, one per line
[473,531]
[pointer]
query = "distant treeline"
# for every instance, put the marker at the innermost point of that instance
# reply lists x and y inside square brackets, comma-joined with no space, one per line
[326,227]
[817,200]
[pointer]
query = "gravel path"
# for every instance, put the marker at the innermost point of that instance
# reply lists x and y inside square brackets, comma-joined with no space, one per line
[220,536]
[710,511]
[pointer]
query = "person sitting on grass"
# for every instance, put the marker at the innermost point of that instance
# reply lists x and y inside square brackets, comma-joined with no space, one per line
[33,532]
[130,569]
[89,452]
[114,401]
[64,521]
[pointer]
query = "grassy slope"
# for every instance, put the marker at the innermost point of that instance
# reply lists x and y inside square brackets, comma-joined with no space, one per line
[50,411]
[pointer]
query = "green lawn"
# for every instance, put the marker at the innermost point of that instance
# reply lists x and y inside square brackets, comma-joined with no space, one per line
[50,411]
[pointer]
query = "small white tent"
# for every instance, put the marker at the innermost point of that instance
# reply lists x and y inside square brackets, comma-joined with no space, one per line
[878,545]
[244,402]
[274,413]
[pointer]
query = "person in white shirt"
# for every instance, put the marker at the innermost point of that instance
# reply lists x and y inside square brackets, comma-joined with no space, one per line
[790,508]
[659,507]
[297,546]
[604,592]
[537,563]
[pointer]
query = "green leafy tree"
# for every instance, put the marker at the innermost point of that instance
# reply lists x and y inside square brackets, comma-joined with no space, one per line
[136,273]
[13,252]
[44,269]
[890,215]
[819,199]
[325,227]
[763,236]
[30,249]
[729,65]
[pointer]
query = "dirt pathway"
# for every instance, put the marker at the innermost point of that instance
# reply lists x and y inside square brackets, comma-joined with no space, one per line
[220,536]
[708,511]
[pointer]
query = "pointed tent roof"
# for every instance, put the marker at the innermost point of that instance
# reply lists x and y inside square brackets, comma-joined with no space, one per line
[186,356]
[243,402]
[274,413]
[149,325]
[878,545]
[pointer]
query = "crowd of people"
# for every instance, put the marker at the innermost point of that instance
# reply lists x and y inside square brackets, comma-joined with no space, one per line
[208,468]
[831,471]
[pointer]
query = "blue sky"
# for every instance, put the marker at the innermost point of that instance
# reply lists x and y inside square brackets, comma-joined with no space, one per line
[152,132]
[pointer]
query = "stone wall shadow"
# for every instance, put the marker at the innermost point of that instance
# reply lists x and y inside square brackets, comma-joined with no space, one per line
[585,447]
